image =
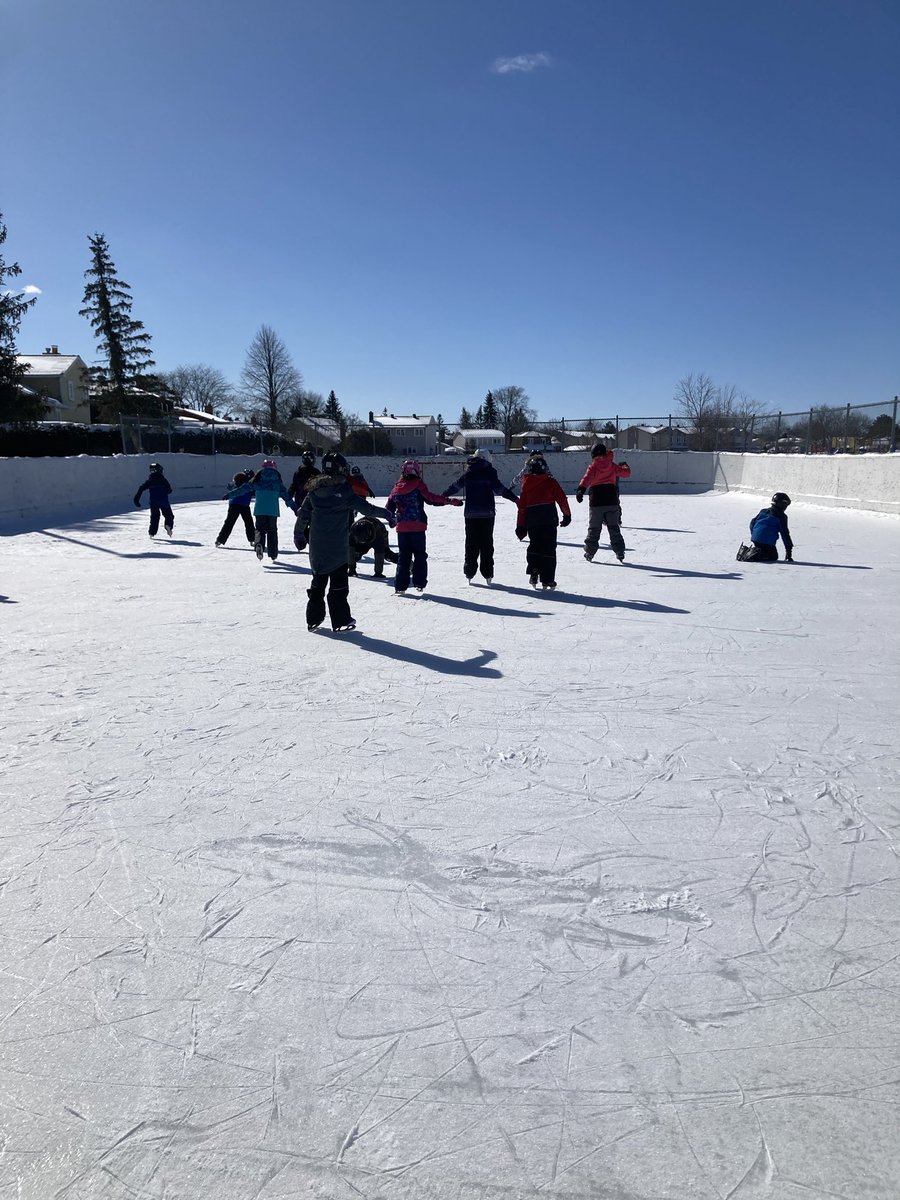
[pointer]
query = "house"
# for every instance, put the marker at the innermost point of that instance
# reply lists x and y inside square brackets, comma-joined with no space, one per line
[413,435]
[480,439]
[63,378]
[320,432]
[654,437]
[533,442]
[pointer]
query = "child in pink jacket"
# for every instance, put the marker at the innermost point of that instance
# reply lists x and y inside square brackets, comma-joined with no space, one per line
[407,503]
[601,481]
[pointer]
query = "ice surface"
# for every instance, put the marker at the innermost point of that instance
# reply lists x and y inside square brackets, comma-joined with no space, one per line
[509,894]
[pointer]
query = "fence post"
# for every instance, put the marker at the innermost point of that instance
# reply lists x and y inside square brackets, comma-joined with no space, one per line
[808,431]
[777,433]
[894,427]
[213,429]
[125,448]
[846,428]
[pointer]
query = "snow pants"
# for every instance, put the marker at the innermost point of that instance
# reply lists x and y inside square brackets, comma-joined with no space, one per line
[479,547]
[235,511]
[167,515]
[758,552]
[411,557]
[338,598]
[600,515]
[541,553]
[267,535]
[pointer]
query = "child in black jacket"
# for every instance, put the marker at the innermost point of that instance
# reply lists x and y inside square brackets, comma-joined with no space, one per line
[159,490]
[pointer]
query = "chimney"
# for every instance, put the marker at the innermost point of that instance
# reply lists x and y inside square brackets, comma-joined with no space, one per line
[52,350]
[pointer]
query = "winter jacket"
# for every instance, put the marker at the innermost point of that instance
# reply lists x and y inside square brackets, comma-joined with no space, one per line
[300,481]
[267,486]
[537,504]
[366,533]
[601,478]
[158,487]
[360,486]
[481,485]
[768,524]
[329,502]
[239,479]
[408,499]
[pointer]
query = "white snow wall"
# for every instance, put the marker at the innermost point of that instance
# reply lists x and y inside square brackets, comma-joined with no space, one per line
[38,491]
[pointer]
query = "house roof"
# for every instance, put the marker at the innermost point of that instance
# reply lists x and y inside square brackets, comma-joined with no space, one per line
[410,422]
[487,435]
[49,364]
[322,425]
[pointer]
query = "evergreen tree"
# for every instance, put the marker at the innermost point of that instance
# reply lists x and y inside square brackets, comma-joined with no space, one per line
[465,419]
[334,412]
[479,417]
[14,407]
[489,410]
[442,429]
[122,342]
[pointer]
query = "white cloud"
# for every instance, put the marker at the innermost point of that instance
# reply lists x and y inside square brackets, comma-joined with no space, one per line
[522,64]
[31,290]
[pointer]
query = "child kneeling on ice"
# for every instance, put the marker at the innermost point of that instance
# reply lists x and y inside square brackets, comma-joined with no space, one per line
[407,500]
[329,503]
[537,520]
[765,529]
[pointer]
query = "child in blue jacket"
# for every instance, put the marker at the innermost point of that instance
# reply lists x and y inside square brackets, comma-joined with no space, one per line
[481,484]
[765,529]
[159,490]
[268,487]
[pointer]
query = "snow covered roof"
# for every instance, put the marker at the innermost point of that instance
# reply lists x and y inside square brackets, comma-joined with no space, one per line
[393,422]
[484,435]
[191,414]
[49,364]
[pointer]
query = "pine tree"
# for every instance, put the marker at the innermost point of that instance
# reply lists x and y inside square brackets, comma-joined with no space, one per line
[334,412]
[465,419]
[442,429]
[489,411]
[122,342]
[14,407]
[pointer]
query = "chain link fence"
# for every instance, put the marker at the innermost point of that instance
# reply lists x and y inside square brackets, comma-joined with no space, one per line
[851,429]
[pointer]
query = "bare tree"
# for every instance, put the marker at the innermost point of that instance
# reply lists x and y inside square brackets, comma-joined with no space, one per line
[200,387]
[698,398]
[514,410]
[270,379]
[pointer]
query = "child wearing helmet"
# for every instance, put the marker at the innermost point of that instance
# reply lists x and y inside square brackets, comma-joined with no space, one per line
[537,520]
[327,510]
[765,529]
[238,508]
[407,501]
[159,489]
[360,484]
[601,482]
[481,484]
[267,487]
[305,473]
[368,534]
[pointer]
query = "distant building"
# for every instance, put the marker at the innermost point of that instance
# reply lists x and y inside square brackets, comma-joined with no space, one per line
[480,439]
[320,432]
[654,437]
[413,435]
[61,380]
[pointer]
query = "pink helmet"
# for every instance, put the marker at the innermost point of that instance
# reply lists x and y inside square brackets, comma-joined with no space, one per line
[411,467]
[269,462]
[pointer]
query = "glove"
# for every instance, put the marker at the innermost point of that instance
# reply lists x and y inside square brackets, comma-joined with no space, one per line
[622,464]
[391,520]
[521,532]
[137,503]
[579,494]
[567,520]
[456,503]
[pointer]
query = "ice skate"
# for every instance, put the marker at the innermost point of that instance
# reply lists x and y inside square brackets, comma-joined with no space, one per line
[348,628]
[533,579]
[169,530]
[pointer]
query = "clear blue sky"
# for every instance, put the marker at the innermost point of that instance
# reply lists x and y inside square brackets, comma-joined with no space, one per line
[587,198]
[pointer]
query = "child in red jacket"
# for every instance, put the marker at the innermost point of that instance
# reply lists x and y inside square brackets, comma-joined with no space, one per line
[407,502]
[537,520]
[601,481]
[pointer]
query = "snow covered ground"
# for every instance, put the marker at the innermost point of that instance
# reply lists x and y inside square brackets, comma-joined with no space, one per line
[510,894]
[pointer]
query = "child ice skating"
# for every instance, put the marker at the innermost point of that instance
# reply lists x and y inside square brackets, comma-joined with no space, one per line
[537,520]
[368,534]
[239,508]
[765,529]
[267,487]
[306,472]
[481,484]
[600,480]
[159,490]
[329,504]
[407,500]
[360,484]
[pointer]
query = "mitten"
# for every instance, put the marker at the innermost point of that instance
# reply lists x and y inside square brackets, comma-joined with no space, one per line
[391,520]
[521,532]
[579,494]
[457,503]
[137,503]
[567,520]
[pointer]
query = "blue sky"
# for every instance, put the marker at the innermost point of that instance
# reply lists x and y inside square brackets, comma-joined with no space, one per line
[589,199]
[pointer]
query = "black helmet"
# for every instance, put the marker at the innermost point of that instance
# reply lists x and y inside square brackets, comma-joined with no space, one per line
[309,456]
[156,467]
[355,471]
[597,449]
[781,499]
[334,464]
[536,466]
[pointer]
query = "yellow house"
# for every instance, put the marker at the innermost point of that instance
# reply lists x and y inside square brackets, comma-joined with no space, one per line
[60,377]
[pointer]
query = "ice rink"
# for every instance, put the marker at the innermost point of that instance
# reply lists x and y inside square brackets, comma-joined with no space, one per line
[589,894]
